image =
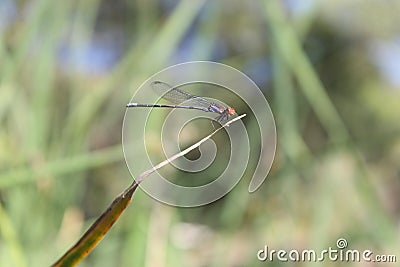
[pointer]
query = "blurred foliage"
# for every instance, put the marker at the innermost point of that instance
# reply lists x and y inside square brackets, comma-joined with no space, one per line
[328,69]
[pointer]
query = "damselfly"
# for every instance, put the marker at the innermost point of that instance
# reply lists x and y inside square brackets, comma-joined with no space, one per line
[177,96]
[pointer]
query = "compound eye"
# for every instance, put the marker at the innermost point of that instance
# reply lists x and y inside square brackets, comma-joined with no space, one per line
[231,111]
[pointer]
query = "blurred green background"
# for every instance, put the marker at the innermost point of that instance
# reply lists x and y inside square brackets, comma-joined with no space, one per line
[329,69]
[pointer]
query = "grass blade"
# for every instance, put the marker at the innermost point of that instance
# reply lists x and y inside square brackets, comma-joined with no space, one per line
[103,224]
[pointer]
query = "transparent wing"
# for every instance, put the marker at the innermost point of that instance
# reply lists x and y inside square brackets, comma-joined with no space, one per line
[177,96]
